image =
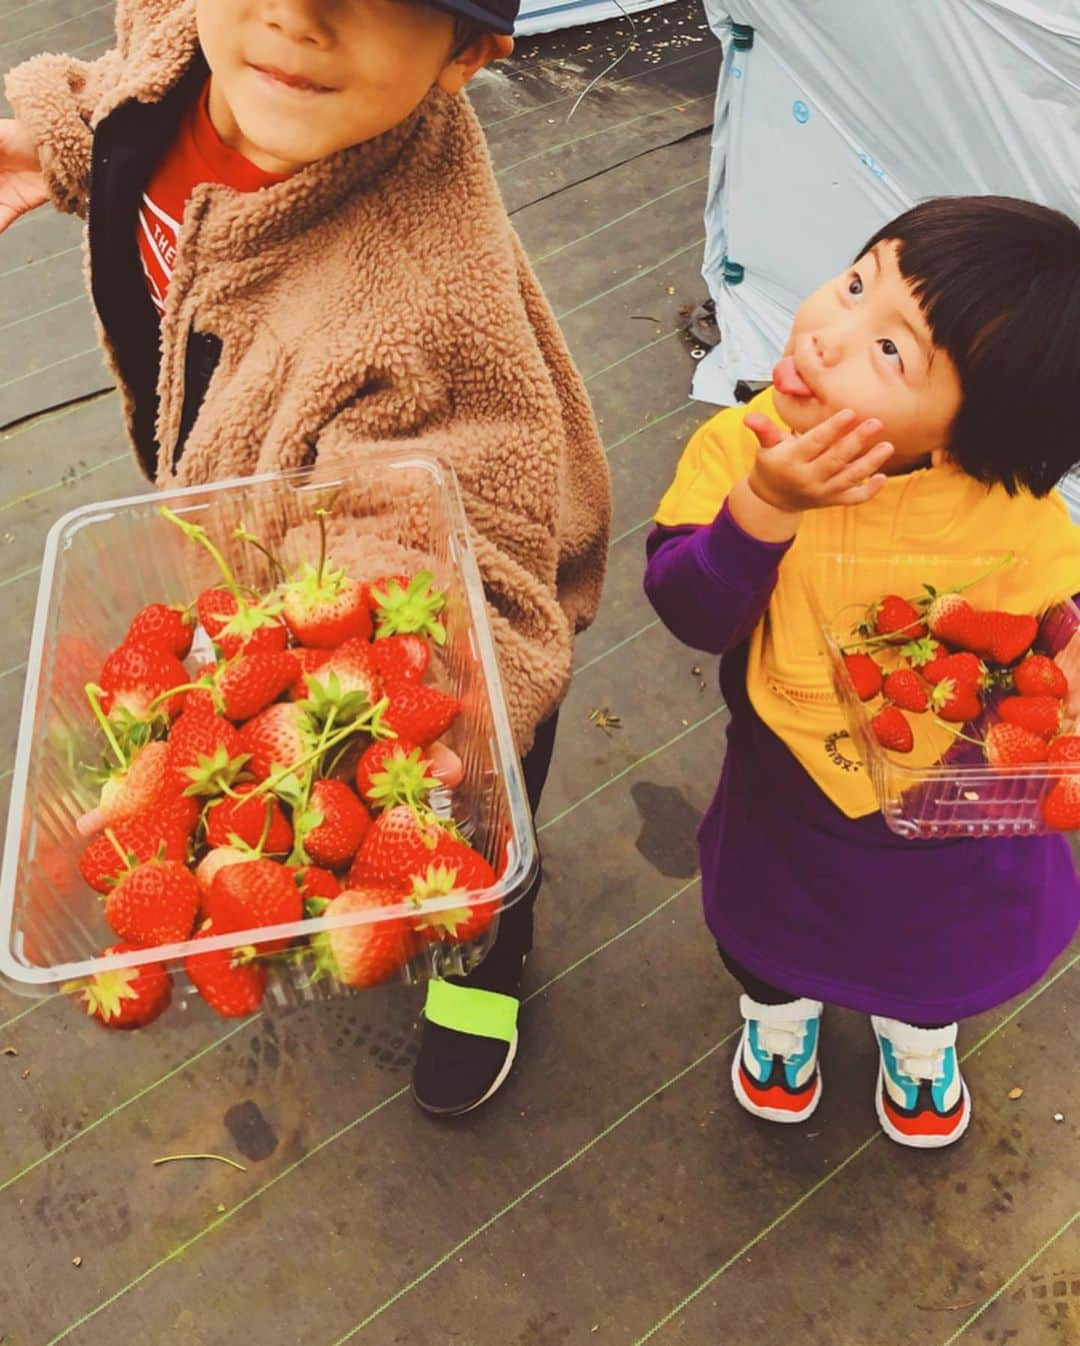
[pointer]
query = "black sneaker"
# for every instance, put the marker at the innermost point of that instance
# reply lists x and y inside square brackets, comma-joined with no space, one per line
[468,1043]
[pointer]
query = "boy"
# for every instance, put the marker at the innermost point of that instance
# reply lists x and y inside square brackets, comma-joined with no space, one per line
[297,249]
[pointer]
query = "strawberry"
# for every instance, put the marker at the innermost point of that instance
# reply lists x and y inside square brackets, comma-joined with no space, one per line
[309,661]
[473,871]
[237,626]
[1007,745]
[252,680]
[399,844]
[956,701]
[411,609]
[155,903]
[949,618]
[316,882]
[1061,806]
[259,893]
[218,859]
[131,842]
[418,712]
[1065,748]
[457,924]
[864,674]
[350,669]
[257,822]
[962,666]
[368,954]
[1008,635]
[137,788]
[134,677]
[405,656]
[922,653]
[323,606]
[1040,714]
[895,615]
[892,731]
[130,997]
[229,980]
[1039,675]
[334,824]
[906,689]
[180,812]
[393,772]
[205,754]
[170,629]
[277,737]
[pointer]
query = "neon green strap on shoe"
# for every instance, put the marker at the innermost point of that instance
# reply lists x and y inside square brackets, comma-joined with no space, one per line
[467,1009]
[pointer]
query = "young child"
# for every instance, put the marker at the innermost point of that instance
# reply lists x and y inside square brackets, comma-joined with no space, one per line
[927,400]
[298,252]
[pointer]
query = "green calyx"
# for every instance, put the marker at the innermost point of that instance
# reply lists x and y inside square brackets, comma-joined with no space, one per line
[216,774]
[411,611]
[105,993]
[402,780]
[327,699]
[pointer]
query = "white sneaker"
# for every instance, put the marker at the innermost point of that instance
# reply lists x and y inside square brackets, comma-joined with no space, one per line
[775,1072]
[921,1099]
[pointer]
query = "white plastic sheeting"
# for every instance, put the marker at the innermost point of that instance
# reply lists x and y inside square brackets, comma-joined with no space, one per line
[544,16]
[834,116]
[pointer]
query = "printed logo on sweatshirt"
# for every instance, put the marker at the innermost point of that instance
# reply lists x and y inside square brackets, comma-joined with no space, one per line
[837,756]
[157,248]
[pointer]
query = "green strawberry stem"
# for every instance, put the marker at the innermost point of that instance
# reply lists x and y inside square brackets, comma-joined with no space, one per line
[320,514]
[199,534]
[957,733]
[299,855]
[117,847]
[272,781]
[93,693]
[181,687]
[242,535]
[924,600]
[221,1159]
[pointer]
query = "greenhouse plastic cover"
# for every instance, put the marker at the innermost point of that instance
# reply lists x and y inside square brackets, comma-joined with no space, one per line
[840,115]
[544,16]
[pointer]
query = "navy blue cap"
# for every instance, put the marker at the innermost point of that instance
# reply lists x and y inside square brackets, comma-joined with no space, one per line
[497,16]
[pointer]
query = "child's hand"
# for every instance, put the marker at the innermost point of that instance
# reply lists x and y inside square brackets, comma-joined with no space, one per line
[836,463]
[22,186]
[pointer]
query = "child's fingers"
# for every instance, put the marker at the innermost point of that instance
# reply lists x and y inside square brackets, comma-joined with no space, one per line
[768,433]
[847,486]
[822,438]
[858,495]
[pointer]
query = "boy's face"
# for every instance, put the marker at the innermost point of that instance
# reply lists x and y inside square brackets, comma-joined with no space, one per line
[861,342]
[293,81]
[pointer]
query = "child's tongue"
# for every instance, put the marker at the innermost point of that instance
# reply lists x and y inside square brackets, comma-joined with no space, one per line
[787,379]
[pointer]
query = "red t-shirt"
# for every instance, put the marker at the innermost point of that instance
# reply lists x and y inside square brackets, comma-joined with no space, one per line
[198,154]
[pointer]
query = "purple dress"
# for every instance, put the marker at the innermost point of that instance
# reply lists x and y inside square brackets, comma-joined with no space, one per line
[842,909]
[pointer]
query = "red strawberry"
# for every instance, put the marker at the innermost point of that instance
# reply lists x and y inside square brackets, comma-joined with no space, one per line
[1007,745]
[419,712]
[895,615]
[309,661]
[1040,714]
[922,653]
[457,924]
[1008,635]
[1061,806]
[130,997]
[253,679]
[227,979]
[349,669]
[218,859]
[131,842]
[864,673]
[258,822]
[963,667]
[473,871]
[949,617]
[156,903]
[181,813]
[344,822]
[1038,675]
[137,788]
[405,656]
[205,754]
[236,625]
[278,736]
[170,629]
[397,846]
[956,701]
[905,688]
[324,607]
[367,954]
[393,772]
[892,731]
[316,882]
[1066,748]
[134,677]
[259,893]
[409,609]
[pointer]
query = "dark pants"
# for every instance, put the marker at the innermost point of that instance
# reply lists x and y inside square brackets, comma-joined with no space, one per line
[501,968]
[763,992]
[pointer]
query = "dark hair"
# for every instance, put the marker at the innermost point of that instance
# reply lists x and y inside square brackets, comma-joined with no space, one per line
[998,281]
[466,31]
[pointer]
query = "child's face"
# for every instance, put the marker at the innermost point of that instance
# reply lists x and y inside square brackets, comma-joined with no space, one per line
[861,342]
[296,80]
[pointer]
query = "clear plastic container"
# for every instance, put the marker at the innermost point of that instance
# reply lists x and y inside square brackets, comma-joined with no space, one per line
[956,792]
[103,562]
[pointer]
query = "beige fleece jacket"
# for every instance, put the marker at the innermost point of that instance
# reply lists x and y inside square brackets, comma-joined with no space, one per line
[379,298]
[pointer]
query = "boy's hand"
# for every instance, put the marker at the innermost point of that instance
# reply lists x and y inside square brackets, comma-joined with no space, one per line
[22,186]
[836,463]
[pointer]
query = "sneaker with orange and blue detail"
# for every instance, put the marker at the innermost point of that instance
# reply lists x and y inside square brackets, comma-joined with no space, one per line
[775,1072]
[922,1100]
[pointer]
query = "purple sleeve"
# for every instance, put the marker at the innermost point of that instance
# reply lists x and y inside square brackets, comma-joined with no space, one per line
[711,583]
